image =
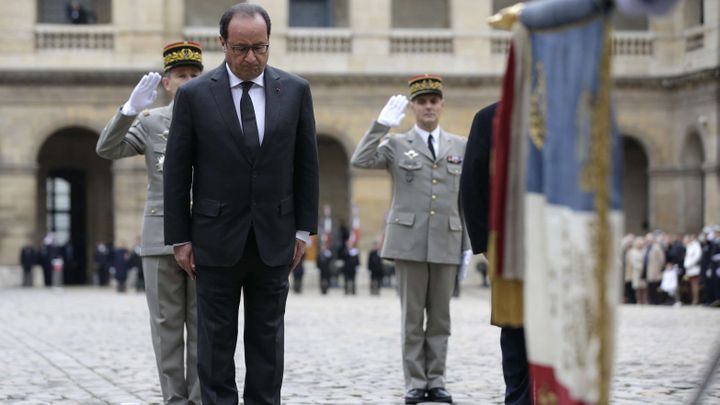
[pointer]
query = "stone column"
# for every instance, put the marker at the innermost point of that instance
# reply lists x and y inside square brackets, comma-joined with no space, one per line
[18,214]
[468,24]
[370,22]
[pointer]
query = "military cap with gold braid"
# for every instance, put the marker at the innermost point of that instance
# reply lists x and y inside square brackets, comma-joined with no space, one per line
[425,84]
[184,53]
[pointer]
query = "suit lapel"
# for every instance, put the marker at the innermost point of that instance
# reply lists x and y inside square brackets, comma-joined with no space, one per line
[417,143]
[273,96]
[220,89]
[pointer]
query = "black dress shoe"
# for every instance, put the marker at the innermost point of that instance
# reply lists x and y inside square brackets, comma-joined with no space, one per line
[439,394]
[415,396]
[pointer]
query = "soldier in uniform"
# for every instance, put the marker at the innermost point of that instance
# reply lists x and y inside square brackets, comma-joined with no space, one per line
[170,292]
[424,232]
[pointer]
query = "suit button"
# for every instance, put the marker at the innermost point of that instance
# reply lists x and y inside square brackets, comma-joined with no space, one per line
[434,197]
[434,181]
[435,166]
[432,212]
[152,211]
[397,219]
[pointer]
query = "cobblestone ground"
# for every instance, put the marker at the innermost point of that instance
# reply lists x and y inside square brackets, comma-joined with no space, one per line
[92,346]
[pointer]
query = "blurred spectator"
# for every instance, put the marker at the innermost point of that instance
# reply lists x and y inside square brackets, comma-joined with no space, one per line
[120,261]
[102,263]
[28,259]
[653,264]
[693,255]
[350,257]
[635,266]
[628,293]
[76,13]
[377,269]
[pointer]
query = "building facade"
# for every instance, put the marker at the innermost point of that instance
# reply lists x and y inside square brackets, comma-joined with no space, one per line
[60,82]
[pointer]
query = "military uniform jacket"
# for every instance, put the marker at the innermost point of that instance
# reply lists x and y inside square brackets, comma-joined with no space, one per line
[424,223]
[126,136]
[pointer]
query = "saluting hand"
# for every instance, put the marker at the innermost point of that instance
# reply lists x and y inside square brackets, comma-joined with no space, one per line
[185,258]
[393,112]
[143,94]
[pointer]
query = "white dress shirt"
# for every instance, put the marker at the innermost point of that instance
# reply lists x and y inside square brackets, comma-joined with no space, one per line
[436,137]
[257,95]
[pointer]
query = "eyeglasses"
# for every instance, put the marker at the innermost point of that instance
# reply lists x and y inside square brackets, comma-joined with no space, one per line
[242,50]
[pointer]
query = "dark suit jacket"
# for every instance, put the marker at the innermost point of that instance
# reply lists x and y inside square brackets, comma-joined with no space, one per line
[475,179]
[275,196]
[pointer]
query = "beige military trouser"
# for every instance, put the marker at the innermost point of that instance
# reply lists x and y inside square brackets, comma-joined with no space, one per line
[425,291]
[172,303]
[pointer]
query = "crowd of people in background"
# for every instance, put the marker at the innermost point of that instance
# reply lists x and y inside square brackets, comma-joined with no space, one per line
[55,259]
[662,268]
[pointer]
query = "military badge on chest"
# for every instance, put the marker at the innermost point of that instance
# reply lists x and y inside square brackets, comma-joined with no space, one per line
[159,156]
[410,165]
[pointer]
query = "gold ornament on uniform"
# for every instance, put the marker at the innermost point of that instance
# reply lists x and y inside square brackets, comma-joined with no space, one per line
[184,53]
[425,84]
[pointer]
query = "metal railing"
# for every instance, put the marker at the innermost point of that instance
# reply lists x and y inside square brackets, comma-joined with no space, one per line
[319,40]
[64,36]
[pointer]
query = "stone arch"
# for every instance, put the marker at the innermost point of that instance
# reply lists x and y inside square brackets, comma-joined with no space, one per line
[335,180]
[69,154]
[636,183]
[692,197]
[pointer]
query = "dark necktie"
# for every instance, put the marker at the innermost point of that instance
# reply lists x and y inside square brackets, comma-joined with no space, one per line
[430,146]
[249,124]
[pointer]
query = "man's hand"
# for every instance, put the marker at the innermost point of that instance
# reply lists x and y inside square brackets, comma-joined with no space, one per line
[143,94]
[464,264]
[185,257]
[392,114]
[297,256]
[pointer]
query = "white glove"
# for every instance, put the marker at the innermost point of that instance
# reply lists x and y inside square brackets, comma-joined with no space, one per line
[464,264]
[143,94]
[392,114]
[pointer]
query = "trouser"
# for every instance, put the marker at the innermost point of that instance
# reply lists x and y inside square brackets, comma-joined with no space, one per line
[265,290]
[171,299]
[652,291]
[425,290]
[350,283]
[515,366]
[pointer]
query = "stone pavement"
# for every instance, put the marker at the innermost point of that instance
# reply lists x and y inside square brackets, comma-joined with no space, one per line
[88,345]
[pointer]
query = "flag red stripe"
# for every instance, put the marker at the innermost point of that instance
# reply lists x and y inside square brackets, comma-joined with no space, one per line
[501,155]
[546,389]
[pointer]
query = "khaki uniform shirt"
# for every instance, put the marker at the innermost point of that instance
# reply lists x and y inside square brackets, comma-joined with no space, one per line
[424,222]
[126,136]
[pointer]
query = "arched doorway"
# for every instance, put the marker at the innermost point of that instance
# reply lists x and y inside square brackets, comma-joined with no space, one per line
[635,186]
[334,178]
[74,198]
[692,206]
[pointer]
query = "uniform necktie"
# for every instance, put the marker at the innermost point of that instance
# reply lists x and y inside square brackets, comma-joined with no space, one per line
[249,124]
[430,146]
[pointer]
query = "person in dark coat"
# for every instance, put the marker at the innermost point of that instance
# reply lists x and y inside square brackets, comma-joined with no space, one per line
[350,257]
[48,251]
[376,268]
[120,264]
[475,202]
[102,263]
[28,259]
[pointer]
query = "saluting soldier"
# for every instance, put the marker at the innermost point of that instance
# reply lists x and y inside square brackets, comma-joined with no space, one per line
[134,130]
[424,233]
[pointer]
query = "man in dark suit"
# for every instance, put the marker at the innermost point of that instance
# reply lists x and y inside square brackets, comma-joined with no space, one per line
[243,139]
[475,201]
